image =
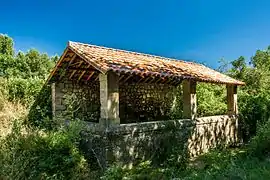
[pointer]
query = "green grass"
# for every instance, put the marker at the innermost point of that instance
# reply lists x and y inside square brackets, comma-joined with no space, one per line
[228,164]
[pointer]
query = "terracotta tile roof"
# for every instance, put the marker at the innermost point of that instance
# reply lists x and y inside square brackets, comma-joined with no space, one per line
[120,61]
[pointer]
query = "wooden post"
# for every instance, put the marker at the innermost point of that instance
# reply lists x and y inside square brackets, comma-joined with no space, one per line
[189,99]
[232,100]
[53,99]
[109,99]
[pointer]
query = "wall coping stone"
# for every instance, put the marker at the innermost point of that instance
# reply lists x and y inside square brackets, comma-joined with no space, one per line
[156,125]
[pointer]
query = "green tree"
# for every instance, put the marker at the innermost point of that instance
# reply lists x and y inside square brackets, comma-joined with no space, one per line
[238,67]
[6,45]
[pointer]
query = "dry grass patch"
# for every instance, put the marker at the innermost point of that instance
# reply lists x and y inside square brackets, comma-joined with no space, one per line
[10,111]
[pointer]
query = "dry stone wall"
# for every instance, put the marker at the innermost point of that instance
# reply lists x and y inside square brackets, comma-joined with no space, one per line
[156,141]
[79,100]
[142,102]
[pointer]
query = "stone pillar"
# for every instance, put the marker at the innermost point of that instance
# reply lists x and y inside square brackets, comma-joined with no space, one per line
[232,100]
[189,99]
[57,99]
[109,99]
[53,99]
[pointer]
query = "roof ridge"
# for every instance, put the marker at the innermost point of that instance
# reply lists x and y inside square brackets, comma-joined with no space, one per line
[137,53]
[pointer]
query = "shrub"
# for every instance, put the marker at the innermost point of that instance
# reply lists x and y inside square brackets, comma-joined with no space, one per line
[33,154]
[253,111]
[211,100]
[260,144]
[24,90]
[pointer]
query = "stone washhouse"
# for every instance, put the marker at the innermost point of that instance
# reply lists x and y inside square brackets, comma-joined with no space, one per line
[127,98]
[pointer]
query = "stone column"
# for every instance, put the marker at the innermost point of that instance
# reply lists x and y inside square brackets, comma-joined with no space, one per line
[53,99]
[109,99]
[233,111]
[189,99]
[232,100]
[57,98]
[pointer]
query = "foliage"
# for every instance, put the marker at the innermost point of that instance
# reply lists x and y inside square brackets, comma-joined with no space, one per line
[211,100]
[254,98]
[40,114]
[31,64]
[6,45]
[24,90]
[54,154]
[33,154]
[23,73]
[260,144]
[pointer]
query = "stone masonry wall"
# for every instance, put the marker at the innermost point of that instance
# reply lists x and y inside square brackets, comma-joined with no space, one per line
[80,100]
[132,143]
[141,102]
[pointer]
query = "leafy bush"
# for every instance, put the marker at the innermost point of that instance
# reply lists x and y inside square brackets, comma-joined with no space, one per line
[24,90]
[259,145]
[40,114]
[33,154]
[211,99]
[253,111]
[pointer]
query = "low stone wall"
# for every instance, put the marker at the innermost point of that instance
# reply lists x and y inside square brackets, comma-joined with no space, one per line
[132,143]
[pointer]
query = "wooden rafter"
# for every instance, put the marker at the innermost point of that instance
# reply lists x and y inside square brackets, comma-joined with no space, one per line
[127,78]
[72,74]
[83,72]
[76,63]
[121,77]
[168,81]
[146,79]
[70,54]
[174,82]
[75,71]
[158,80]
[92,73]
[102,70]
[80,69]
[141,79]
[96,78]
[153,79]
[72,59]
[57,65]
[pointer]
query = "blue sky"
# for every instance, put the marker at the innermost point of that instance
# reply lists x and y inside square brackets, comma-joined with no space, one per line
[198,30]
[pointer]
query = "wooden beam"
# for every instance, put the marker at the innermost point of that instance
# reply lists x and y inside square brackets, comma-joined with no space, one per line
[121,77]
[127,78]
[146,79]
[141,79]
[92,73]
[70,54]
[83,72]
[169,80]
[72,59]
[158,80]
[96,78]
[76,63]
[175,82]
[80,69]
[56,66]
[80,77]
[84,57]
[152,80]
[72,74]
[75,70]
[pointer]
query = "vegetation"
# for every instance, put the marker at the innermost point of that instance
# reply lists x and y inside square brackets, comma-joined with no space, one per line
[52,151]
